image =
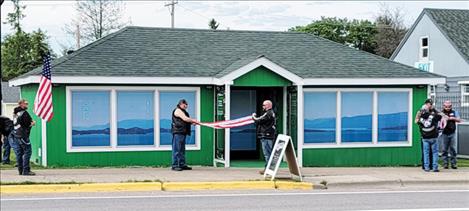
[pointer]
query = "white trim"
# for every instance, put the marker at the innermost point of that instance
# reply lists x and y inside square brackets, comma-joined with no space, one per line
[463,82]
[300,123]
[227,130]
[373,81]
[113,119]
[374,142]
[227,79]
[43,143]
[464,94]
[262,61]
[118,80]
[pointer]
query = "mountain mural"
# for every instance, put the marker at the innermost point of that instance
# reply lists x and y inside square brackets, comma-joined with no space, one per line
[385,121]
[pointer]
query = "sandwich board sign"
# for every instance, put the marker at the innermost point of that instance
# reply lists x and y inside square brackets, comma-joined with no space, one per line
[283,147]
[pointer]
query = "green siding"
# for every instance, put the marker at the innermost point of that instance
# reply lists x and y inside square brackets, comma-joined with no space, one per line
[261,77]
[28,92]
[56,141]
[372,156]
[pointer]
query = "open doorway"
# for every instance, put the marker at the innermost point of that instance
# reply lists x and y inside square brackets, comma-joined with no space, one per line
[245,148]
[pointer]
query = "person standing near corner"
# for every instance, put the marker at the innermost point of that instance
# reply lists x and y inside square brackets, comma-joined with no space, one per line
[265,129]
[448,137]
[19,137]
[180,128]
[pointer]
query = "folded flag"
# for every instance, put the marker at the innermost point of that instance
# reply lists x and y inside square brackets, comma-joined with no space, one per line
[229,123]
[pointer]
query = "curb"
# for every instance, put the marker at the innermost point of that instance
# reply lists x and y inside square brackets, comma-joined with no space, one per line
[155,186]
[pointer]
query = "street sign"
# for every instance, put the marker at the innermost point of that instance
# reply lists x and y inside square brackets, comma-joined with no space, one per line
[283,147]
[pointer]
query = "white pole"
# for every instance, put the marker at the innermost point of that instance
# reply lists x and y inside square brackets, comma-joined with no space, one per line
[227,130]
[300,122]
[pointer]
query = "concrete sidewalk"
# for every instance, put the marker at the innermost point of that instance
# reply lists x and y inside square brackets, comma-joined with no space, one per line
[333,176]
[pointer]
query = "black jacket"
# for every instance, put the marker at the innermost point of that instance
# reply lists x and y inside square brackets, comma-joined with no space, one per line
[22,123]
[428,123]
[179,126]
[265,125]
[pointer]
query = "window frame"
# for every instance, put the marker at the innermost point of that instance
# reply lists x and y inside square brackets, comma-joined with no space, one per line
[374,143]
[421,48]
[113,119]
[464,94]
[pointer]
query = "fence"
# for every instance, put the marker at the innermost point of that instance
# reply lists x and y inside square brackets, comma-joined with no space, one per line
[455,99]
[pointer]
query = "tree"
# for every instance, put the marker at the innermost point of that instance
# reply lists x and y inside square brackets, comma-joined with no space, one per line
[391,30]
[21,51]
[213,24]
[355,33]
[96,19]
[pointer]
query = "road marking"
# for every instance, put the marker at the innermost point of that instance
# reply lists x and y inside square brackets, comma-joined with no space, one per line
[426,209]
[229,195]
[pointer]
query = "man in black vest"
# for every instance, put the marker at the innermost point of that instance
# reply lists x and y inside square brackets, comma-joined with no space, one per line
[448,137]
[265,128]
[19,137]
[180,128]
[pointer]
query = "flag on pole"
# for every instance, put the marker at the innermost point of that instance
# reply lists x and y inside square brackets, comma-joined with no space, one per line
[229,123]
[43,103]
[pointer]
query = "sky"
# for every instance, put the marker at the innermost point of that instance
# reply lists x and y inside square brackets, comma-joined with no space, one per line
[52,16]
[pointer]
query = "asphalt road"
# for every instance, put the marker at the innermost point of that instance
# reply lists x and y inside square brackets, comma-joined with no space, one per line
[456,199]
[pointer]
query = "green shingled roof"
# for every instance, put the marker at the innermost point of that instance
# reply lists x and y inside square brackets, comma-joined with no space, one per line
[454,24]
[165,52]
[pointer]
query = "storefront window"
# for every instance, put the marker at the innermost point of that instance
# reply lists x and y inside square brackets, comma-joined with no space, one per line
[357,111]
[90,118]
[320,117]
[135,118]
[392,116]
[168,101]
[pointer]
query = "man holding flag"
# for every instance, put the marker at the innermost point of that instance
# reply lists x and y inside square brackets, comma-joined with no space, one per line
[19,138]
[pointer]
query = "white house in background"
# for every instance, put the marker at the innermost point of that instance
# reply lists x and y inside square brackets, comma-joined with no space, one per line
[438,42]
[10,98]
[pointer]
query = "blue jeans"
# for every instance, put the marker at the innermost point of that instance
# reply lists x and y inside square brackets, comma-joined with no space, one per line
[267,146]
[179,151]
[7,149]
[449,146]
[22,149]
[433,144]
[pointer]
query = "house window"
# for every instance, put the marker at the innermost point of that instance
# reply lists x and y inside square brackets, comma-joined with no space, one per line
[465,94]
[91,118]
[135,118]
[393,111]
[126,118]
[368,117]
[168,101]
[424,48]
[357,111]
[320,117]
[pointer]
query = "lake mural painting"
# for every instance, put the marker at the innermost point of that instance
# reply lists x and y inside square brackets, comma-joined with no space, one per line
[135,115]
[356,124]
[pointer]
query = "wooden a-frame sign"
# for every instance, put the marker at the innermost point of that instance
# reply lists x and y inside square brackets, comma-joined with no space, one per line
[283,147]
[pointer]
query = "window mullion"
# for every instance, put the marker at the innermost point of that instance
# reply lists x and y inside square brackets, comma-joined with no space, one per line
[113,125]
[338,126]
[156,115]
[374,126]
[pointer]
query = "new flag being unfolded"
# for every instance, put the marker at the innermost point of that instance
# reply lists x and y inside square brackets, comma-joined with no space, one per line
[229,123]
[43,103]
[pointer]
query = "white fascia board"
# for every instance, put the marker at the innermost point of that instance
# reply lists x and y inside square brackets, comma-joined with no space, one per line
[463,82]
[266,63]
[119,80]
[373,81]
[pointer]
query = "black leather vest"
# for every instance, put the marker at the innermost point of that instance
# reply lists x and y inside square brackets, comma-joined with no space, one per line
[179,126]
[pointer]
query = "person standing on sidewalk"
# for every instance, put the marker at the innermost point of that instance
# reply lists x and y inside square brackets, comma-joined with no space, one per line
[266,131]
[7,126]
[427,119]
[180,128]
[448,137]
[19,137]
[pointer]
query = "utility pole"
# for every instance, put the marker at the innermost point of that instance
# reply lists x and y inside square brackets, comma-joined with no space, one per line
[173,2]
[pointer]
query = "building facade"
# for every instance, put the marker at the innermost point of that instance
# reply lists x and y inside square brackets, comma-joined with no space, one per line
[113,99]
[438,43]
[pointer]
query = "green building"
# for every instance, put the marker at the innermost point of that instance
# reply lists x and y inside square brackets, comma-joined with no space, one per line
[113,99]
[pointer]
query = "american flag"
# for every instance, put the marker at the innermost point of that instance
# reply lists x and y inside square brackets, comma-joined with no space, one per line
[43,102]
